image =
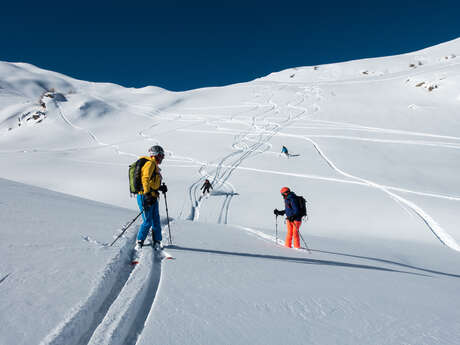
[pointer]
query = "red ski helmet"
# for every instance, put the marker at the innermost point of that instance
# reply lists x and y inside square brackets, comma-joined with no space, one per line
[285,190]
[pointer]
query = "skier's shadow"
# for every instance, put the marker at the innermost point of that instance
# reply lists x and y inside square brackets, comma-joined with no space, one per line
[220,193]
[306,261]
[389,262]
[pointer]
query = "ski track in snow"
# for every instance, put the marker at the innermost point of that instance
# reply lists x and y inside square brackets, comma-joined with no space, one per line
[219,179]
[82,320]
[70,124]
[246,146]
[117,308]
[279,241]
[262,135]
[442,235]
[437,230]
[120,304]
[249,141]
[352,126]
[338,180]
[93,241]
[388,141]
[4,278]
[90,133]
[125,319]
[385,141]
[77,128]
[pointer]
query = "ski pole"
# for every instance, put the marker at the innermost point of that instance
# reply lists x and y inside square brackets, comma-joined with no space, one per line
[167,216]
[276,228]
[125,227]
[305,243]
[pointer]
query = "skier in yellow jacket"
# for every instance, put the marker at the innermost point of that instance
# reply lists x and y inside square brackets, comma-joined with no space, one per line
[148,198]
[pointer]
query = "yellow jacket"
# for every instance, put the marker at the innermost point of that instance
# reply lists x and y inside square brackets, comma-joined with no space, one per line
[150,177]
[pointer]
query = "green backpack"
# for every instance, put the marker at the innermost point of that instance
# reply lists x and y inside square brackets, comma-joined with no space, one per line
[134,172]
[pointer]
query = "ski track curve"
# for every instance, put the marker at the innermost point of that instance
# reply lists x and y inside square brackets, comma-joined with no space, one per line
[219,178]
[118,307]
[353,126]
[405,204]
[91,134]
[70,124]
[242,139]
[389,141]
[249,142]
[435,228]
[338,180]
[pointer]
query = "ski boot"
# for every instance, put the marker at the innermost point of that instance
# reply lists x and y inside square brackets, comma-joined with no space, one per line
[157,245]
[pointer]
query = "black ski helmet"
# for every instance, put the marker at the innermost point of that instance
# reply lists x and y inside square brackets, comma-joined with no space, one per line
[156,150]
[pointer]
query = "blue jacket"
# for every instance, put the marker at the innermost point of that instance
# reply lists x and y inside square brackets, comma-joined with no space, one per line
[291,206]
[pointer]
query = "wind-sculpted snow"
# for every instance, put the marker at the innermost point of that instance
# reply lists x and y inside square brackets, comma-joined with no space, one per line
[373,146]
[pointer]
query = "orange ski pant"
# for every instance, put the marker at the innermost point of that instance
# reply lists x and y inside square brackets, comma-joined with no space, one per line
[293,231]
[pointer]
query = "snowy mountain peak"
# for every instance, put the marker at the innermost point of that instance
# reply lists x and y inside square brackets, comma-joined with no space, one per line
[439,56]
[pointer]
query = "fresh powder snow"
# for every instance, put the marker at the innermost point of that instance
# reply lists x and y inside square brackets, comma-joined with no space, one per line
[374,148]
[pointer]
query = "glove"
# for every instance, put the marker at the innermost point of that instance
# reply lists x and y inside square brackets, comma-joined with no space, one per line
[278,212]
[149,199]
[163,188]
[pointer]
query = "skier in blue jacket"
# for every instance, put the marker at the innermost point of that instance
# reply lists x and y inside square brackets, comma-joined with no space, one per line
[293,217]
[285,151]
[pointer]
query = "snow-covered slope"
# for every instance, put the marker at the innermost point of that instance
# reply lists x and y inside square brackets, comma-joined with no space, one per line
[375,147]
[52,262]
[239,289]
[436,58]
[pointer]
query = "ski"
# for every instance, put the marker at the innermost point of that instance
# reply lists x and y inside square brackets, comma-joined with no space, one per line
[304,250]
[158,251]
[165,255]
[301,249]
[137,253]
[136,256]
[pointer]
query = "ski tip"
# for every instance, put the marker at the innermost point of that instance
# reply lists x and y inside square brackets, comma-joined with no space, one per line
[134,263]
[170,258]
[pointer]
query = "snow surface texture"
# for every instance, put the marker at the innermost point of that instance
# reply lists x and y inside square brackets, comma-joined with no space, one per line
[374,148]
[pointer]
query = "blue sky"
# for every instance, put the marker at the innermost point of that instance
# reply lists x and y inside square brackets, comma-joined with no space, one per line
[181,45]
